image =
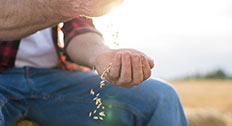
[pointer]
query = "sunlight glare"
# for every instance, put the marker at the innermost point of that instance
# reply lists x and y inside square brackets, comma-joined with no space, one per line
[117,21]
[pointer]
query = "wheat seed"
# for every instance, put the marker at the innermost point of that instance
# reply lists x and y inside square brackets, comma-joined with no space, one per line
[102,114]
[90,114]
[98,101]
[101,86]
[92,92]
[95,99]
[99,105]
[95,117]
[102,82]
[94,111]
[100,118]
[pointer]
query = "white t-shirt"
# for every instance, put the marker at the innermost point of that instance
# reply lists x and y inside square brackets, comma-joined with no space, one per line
[37,50]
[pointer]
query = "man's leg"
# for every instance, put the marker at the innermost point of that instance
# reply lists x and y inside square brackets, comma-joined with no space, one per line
[12,96]
[2,102]
[62,98]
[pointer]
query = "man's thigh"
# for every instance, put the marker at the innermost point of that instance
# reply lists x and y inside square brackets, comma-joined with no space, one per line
[14,96]
[2,103]
[63,98]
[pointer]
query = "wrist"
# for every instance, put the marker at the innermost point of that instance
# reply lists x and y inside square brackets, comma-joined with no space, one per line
[96,54]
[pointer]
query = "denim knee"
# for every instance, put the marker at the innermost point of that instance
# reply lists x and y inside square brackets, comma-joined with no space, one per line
[161,90]
[167,109]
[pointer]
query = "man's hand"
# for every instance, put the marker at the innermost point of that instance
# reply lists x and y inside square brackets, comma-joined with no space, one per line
[129,67]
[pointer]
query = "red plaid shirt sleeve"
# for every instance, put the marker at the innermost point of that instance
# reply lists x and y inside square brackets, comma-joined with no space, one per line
[77,26]
[8,52]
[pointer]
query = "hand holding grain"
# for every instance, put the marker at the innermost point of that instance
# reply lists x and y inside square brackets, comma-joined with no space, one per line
[129,67]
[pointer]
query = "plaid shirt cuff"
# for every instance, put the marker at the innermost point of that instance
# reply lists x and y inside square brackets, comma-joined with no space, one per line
[79,31]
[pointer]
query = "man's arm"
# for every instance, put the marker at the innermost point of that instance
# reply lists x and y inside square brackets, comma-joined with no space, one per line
[82,48]
[129,67]
[20,18]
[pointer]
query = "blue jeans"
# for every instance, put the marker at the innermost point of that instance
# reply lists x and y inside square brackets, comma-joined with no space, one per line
[54,97]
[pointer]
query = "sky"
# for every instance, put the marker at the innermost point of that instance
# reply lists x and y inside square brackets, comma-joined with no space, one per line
[183,37]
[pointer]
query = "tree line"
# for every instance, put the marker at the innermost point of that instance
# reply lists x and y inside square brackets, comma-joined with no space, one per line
[217,74]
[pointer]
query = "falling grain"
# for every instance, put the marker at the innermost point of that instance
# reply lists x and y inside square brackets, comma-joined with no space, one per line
[99,105]
[95,117]
[97,99]
[102,114]
[94,111]
[90,114]
[100,118]
[92,92]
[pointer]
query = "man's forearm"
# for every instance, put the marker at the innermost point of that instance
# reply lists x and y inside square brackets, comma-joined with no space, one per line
[20,18]
[82,49]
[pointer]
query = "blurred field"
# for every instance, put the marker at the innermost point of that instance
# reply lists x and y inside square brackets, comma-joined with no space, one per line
[206,102]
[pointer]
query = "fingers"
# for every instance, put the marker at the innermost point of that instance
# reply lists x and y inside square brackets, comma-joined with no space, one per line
[125,75]
[151,63]
[146,68]
[129,69]
[115,68]
[137,70]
